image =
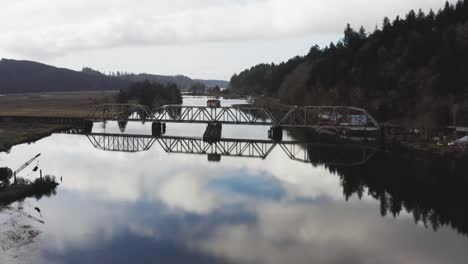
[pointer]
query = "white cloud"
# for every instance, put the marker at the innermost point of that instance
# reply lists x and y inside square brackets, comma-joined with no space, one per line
[44,29]
[189,193]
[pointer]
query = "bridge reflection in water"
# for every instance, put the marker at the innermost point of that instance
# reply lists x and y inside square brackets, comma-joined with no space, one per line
[301,151]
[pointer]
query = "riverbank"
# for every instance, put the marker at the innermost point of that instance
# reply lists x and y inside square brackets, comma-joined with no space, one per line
[58,104]
[14,133]
[23,190]
[436,146]
[66,104]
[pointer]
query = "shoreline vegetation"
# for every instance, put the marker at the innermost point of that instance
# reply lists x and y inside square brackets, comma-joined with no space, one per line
[150,94]
[14,133]
[24,189]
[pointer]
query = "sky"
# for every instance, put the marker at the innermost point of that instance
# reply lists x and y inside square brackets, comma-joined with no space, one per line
[210,39]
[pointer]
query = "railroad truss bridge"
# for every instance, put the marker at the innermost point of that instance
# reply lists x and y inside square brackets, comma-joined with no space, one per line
[332,119]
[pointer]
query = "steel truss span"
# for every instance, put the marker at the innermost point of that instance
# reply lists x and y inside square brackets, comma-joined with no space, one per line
[224,115]
[329,117]
[224,147]
[305,152]
[317,117]
[120,143]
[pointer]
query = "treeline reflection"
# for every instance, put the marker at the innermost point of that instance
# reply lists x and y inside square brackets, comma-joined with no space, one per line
[432,189]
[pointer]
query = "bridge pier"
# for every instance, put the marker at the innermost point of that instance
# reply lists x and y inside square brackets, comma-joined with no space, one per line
[212,133]
[158,129]
[214,157]
[88,126]
[275,133]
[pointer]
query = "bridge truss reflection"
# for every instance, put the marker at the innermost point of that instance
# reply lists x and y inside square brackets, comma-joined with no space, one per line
[301,151]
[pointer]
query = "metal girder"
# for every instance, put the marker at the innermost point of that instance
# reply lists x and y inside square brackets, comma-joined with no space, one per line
[247,115]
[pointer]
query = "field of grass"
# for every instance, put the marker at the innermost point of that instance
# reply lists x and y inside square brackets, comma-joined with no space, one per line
[12,134]
[66,104]
[69,104]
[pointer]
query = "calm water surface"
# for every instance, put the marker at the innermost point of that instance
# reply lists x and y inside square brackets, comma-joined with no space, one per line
[158,207]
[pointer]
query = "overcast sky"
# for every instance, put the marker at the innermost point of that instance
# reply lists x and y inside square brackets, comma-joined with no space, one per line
[198,38]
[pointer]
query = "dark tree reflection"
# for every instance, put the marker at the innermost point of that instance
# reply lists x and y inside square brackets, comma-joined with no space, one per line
[122,125]
[432,189]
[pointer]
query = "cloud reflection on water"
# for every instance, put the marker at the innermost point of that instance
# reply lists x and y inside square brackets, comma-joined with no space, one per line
[175,207]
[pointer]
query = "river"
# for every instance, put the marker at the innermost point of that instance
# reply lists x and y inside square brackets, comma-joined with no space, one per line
[158,207]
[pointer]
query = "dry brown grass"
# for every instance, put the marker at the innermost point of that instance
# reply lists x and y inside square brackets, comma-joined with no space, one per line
[12,134]
[67,104]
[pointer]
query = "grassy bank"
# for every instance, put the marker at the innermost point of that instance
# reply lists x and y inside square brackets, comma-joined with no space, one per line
[69,104]
[12,134]
[24,189]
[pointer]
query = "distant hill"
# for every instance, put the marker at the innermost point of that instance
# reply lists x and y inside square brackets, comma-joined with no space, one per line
[18,76]
[213,83]
[30,77]
[183,82]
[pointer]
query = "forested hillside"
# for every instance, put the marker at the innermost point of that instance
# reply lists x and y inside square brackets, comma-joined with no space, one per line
[183,82]
[412,70]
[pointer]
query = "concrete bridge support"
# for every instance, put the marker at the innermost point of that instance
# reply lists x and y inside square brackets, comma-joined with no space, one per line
[275,133]
[88,126]
[158,129]
[212,133]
